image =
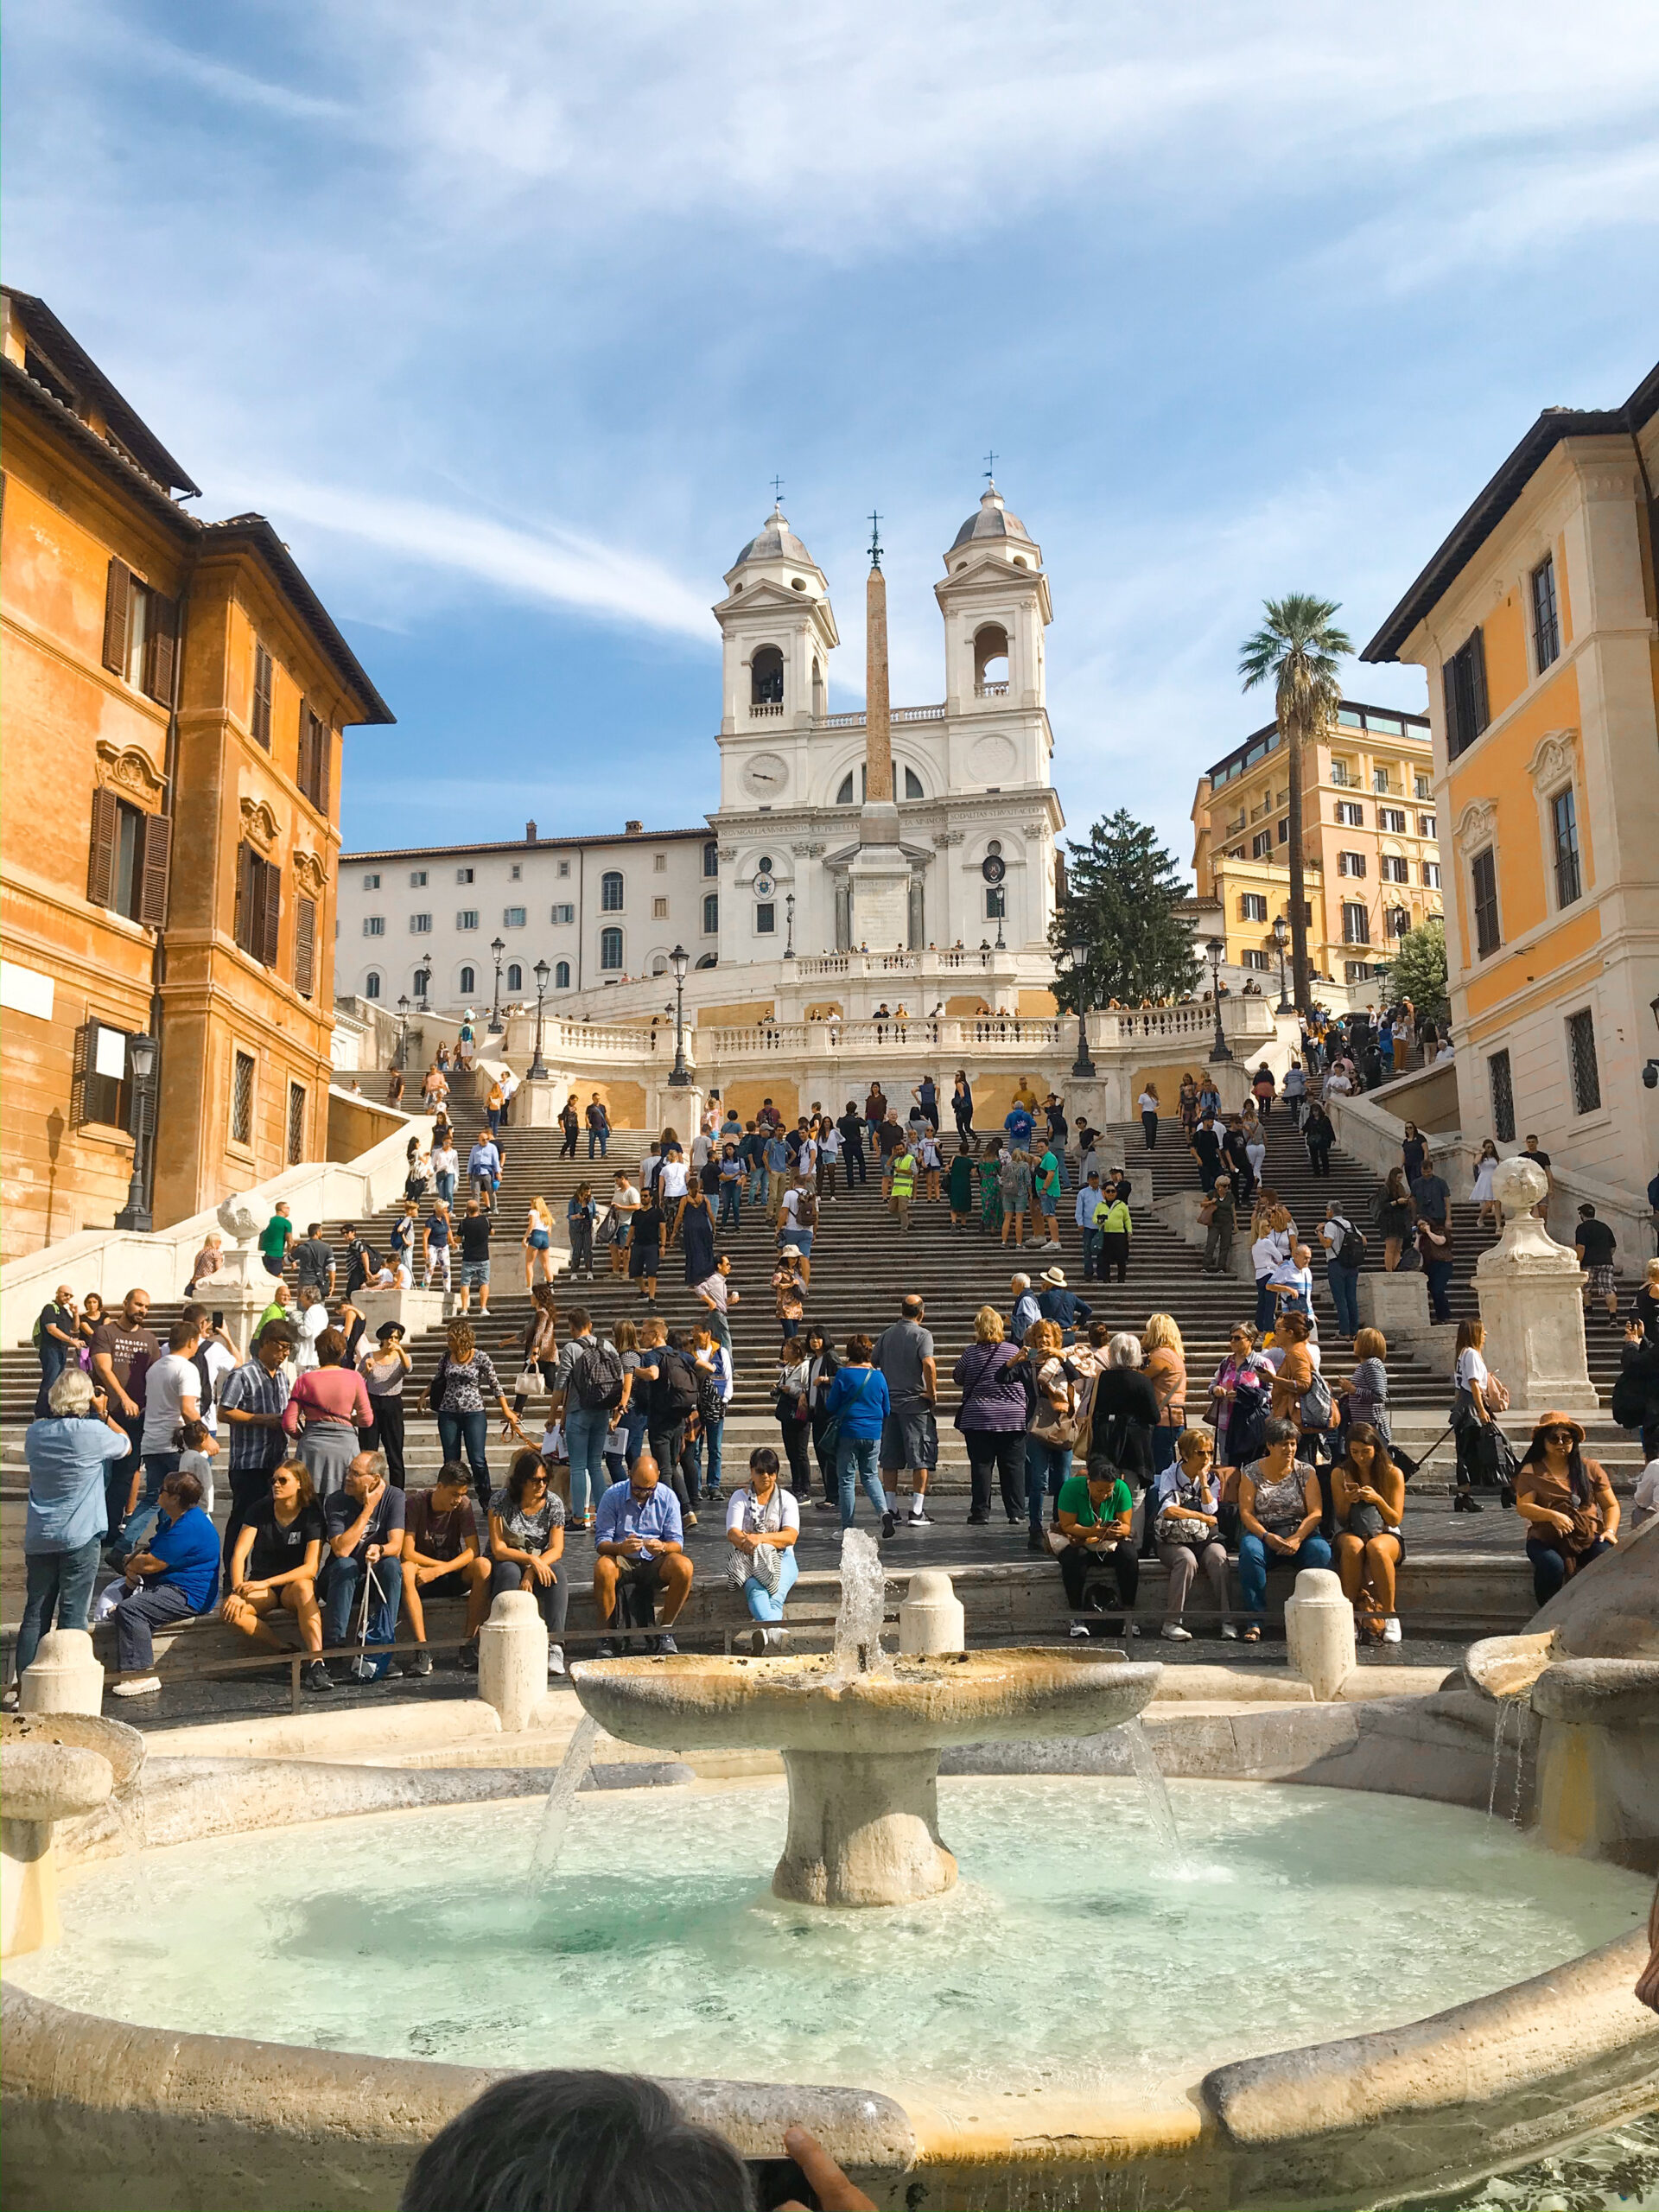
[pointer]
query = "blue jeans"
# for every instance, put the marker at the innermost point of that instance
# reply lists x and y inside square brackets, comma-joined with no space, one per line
[756,1184]
[1440,1283]
[635,1422]
[586,1428]
[472,1430]
[339,1583]
[1549,1567]
[600,1137]
[446,1183]
[158,1466]
[1091,1253]
[1253,1561]
[1263,1302]
[1047,1466]
[58,1592]
[731,1205]
[1343,1281]
[859,1458]
[709,1444]
[764,1604]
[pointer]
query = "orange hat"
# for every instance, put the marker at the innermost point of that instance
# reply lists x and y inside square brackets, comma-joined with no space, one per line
[1558,1419]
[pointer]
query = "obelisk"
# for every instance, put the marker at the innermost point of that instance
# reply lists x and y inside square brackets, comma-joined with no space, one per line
[878,871]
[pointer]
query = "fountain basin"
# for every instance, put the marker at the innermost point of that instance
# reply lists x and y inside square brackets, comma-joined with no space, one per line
[861,1750]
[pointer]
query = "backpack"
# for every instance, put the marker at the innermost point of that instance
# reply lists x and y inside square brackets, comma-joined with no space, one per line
[1631,1400]
[1316,1406]
[434,1387]
[711,1407]
[675,1390]
[1351,1250]
[596,1375]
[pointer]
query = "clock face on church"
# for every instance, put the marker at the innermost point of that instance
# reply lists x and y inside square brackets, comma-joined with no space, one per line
[766,775]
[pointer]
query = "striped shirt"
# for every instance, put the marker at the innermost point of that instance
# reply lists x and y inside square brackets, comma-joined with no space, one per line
[252,1389]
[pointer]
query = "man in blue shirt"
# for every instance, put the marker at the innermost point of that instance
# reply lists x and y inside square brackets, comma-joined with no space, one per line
[484,1168]
[777,1160]
[175,1575]
[639,1549]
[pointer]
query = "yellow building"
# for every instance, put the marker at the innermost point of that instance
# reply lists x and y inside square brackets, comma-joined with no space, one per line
[175,699]
[1535,621]
[1371,857]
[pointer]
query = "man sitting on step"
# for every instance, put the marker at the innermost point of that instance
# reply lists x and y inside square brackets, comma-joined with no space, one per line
[638,1549]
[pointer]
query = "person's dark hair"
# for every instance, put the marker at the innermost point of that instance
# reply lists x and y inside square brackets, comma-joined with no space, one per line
[1578,1481]
[198,1314]
[576,2142]
[1275,1433]
[190,1435]
[180,1334]
[859,1349]
[331,1348]
[185,1487]
[1102,1470]
[577,1319]
[315,1230]
[277,1331]
[1382,1463]
[1587,1211]
[451,1474]
[763,1460]
[528,1466]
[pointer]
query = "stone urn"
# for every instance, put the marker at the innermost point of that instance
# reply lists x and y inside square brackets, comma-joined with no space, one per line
[52,1767]
[1529,1288]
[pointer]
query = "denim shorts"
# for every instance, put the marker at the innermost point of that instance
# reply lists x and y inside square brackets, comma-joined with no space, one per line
[474,1275]
[800,1238]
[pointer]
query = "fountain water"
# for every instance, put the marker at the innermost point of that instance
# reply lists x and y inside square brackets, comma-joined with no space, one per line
[555,1814]
[863,1602]
[1155,1789]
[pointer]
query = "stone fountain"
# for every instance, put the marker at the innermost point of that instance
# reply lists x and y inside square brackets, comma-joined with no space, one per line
[860,1735]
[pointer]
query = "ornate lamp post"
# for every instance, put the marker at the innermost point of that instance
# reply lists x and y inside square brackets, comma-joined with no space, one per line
[400,1058]
[497,948]
[141,1052]
[679,1075]
[1219,1051]
[789,925]
[537,1071]
[1281,938]
[1077,947]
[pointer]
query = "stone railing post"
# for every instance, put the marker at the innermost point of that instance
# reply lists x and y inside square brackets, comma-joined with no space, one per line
[1530,1292]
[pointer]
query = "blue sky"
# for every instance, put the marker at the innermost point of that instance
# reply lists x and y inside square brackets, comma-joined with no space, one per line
[506,315]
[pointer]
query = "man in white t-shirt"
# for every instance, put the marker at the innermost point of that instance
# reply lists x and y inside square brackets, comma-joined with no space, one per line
[671,1190]
[172,1396]
[214,1354]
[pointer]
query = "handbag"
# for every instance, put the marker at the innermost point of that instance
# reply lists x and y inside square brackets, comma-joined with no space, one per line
[766,1562]
[529,1384]
[1062,1431]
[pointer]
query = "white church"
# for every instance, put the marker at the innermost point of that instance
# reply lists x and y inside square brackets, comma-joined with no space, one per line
[772,896]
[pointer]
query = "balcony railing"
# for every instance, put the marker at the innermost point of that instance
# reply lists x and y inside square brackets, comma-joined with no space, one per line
[898,715]
[765,706]
[991,691]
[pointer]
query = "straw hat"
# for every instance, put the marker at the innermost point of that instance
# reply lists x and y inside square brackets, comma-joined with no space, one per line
[1055,1277]
[790,1252]
[1558,1419]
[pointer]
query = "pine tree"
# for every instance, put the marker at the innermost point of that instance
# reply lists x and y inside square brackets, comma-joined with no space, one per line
[1123,890]
[1417,971]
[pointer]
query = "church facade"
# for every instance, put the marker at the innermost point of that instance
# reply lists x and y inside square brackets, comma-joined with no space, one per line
[773,877]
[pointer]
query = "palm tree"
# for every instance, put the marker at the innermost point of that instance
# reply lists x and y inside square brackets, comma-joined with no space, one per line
[1298,646]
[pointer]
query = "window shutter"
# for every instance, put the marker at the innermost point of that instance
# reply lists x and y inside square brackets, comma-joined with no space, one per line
[242,929]
[307,751]
[262,684]
[117,607]
[158,852]
[270,911]
[1476,650]
[160,648]
[78,1075]
[1449,691]
[305,945]
[320,762]
[100,866]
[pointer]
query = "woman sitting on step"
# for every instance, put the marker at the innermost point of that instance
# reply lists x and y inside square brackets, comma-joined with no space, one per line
[1279,1511]
[1369,1493]
[763,1526]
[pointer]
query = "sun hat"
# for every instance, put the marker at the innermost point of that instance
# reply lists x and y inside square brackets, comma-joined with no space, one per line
[790,1252]
[1558,1419]
[1056,1276]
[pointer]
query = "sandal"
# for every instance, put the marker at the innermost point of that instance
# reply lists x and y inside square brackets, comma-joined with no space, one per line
[1251,1634]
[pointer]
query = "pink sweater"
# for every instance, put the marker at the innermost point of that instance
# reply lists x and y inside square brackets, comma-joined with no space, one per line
[324,1394]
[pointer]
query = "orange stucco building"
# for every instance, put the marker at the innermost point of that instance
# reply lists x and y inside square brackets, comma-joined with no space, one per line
[1538,623]
[174,694]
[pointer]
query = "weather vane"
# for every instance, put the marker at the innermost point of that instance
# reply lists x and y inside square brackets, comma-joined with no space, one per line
[875,540]
[778,491]
[990,464]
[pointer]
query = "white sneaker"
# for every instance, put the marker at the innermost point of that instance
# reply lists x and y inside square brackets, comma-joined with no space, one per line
[919,1518]
[556,1658]
[1229,1634]
[145,1686]
[1176,1635]
[1391,1629]
[1080,1628]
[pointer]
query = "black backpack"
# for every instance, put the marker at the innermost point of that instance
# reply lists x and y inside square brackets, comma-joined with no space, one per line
[1350,1252]
[675,1390]
[596,1375]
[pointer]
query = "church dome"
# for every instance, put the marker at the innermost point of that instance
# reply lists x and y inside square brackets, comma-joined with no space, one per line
[992,520]
[775,541]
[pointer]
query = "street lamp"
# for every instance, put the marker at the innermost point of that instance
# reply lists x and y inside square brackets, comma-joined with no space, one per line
[679,1075]
[141,1053]
[1281,938]
[1001,901]
[789,925]
[498,947]
[1218,1050]
[537,1071]
[1077,947]
[399,1058]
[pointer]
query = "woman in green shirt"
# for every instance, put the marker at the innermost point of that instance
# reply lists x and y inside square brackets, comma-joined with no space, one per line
[1094,1514]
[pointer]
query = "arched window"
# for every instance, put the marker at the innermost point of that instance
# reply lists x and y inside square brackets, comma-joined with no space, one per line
[466,982]
[610,891]
[659,964]
[709,960]
[610,950]
[766,678]
[844,796]
[711,858]
[913,785]
[991,661]
[562,976]
[515,976]
[419,985]
[372,985]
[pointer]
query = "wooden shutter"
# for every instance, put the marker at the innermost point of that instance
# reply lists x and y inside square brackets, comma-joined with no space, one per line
[305,945]
[1476,650]
[244,929]
[271,909]
[118,609]
[321,763]
[160,648]
[262,681]
[100,866]
[78,1075]
[308,748]
[158,852]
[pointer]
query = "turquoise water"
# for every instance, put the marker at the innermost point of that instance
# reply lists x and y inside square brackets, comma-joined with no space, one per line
[1070,1954]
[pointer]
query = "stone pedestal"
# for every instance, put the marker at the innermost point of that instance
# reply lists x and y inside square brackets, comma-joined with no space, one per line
[416,1309]
[931,1617]
[64,1676]
[1396,1304]
[1180,1211]
[1098,1102]
[863,1830]
[881,884]
[1531,1300]
[1320,1632]
[536,1105]
[41,1784]
[513,1659]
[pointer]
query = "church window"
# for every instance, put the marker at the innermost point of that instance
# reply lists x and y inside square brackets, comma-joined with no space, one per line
[711,859]
[766,918]
[763,866]
[766,678]
[610,950]
[372,985]
[515,976]
[996,905]
[610,891]
[844,796]
[913,785]
[466,982]
[991,661]
[711,913]
[797,583]
[561,975]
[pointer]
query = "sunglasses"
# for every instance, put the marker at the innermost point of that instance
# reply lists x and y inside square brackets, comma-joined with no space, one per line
[1557,1435]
